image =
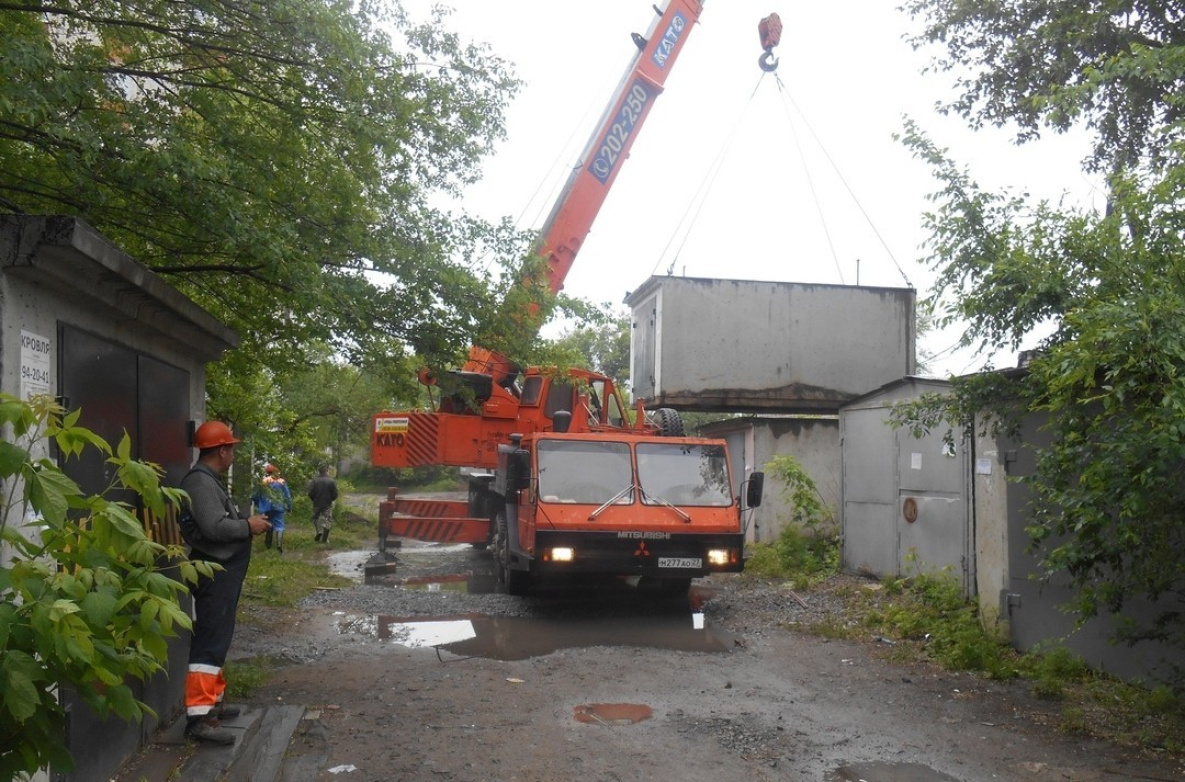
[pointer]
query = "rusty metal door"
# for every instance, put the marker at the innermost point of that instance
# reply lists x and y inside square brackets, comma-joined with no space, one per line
[121,390]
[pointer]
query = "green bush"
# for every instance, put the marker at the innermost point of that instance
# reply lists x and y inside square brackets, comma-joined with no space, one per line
[807,548]
[795,555]
[84,603]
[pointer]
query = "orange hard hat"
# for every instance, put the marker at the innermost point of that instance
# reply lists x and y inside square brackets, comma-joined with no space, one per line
[269,468]
[212,434]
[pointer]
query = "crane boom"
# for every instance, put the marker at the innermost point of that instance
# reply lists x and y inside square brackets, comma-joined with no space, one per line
[580,201]
[484,403]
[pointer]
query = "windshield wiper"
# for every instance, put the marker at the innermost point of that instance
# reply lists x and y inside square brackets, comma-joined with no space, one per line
[592,516]
[663,501]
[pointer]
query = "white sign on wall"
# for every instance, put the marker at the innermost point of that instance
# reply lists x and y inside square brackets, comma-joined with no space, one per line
[36,364]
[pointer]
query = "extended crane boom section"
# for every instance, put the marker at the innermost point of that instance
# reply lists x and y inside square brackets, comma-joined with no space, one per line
[578,205]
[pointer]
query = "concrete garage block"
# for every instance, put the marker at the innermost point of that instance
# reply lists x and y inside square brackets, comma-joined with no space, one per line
[750,346]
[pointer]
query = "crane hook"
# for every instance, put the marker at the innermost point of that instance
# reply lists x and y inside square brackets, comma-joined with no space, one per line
[770,31]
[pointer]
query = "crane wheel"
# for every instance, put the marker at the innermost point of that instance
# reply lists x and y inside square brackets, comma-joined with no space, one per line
[669,422]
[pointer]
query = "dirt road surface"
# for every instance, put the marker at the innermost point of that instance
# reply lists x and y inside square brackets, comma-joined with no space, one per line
[424,674]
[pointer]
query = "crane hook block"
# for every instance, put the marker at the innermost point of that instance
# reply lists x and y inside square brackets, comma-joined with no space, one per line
[770,31]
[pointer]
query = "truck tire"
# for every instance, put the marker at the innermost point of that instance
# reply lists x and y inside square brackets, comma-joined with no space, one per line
[512,582]
[670,423]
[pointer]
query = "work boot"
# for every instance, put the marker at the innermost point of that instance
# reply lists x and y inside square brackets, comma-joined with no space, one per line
[318,538]
[225,711]
[267,539]
[208,728]
[325,536]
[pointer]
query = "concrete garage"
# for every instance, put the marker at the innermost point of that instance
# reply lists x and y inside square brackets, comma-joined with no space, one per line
[744,346]
[84,322]
[906,504]
[789,354]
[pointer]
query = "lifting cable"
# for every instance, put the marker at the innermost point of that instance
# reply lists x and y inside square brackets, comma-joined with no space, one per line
[536,208]
[810,181]
[701,192]
[789,98]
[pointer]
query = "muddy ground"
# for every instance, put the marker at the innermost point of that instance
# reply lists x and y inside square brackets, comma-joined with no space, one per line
[427,675]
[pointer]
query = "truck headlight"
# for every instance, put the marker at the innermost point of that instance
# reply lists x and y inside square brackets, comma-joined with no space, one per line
[721,556]
[561,554]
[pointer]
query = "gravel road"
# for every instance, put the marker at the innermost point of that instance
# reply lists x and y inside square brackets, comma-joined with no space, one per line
[425,674]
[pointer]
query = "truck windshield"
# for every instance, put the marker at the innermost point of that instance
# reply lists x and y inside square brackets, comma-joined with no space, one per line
[684,474]
[573,471]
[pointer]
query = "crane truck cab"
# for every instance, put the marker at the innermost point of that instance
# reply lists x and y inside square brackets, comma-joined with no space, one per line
[661,509]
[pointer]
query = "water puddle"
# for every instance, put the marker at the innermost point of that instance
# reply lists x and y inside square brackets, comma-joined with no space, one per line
[517,638]
[349,564]
[373,567]
[888,772]
[465,583]
[612,713]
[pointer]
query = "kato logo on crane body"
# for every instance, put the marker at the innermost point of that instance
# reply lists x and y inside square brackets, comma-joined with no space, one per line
[670,39]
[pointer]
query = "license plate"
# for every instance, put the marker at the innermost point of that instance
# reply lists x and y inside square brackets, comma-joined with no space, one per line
[682,562]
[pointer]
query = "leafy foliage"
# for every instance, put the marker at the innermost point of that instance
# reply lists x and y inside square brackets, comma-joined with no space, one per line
[601,342]
[1118,66]
[807,548]
[1110,376]
[299,417]
[1108,289]
[84,602]
[276,161]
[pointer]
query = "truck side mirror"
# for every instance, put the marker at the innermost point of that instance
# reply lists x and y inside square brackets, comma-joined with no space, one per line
[519,471]
[756,486]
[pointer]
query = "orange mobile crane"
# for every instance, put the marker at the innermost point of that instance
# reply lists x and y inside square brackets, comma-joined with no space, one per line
[567,481]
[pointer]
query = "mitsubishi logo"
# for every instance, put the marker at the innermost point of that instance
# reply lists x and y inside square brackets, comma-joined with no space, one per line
[642,551]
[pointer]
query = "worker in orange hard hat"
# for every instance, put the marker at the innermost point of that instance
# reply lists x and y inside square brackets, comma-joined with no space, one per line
[215,531]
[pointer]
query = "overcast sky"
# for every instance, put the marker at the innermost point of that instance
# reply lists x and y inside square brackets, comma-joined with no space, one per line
[735,175]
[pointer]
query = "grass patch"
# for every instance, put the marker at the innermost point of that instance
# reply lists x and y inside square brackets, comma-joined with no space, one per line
[804,558]
[244,677]
[283,580]
[807,550]
[928,619]
[1128,714]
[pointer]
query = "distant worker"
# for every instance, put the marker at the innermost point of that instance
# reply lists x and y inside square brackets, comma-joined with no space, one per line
[215,531]
[273,498]
[323,493]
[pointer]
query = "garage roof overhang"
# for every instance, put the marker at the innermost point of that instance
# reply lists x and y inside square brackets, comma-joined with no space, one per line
[68,255]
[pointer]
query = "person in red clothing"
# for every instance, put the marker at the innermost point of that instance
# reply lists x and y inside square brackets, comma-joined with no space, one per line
[217,532]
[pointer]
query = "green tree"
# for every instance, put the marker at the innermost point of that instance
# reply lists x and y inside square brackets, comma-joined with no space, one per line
[1114,65]
[84,601]
[600,342]
[1110,376]
[277,161]
[1107,289]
